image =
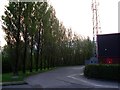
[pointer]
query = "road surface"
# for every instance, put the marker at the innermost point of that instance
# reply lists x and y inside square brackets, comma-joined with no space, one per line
[68,78]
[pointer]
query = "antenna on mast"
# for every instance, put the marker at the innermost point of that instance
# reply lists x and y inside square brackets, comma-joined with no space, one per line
[96,25]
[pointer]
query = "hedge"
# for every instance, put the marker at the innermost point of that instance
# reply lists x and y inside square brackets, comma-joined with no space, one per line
[103,71]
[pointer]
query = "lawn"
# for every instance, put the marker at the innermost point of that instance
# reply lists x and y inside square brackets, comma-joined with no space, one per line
[8,77]
[0,77]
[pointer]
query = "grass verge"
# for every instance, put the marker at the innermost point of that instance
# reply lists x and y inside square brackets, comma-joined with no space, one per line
[8,77]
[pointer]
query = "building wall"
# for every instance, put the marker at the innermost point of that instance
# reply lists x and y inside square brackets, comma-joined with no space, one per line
[109,47]
[119,17]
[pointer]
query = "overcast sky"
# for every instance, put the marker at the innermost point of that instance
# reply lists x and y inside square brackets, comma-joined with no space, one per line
[77,14]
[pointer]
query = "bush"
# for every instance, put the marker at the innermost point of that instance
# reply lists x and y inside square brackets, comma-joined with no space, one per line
[6,66]
[103,71]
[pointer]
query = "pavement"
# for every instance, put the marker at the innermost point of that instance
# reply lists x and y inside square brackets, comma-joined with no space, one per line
[13,83]
[66,78]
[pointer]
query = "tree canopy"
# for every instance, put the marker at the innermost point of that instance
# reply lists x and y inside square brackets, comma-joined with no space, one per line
[36,39]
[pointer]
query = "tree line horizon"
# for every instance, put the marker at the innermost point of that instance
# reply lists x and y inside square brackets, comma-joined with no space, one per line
[36,39]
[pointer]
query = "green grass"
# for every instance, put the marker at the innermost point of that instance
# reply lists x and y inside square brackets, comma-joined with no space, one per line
[7,77]
[0,77]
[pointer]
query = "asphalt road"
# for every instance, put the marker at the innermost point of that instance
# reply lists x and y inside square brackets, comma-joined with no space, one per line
[65,78]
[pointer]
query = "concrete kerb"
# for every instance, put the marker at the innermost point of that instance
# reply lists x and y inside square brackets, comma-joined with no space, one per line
[13,83]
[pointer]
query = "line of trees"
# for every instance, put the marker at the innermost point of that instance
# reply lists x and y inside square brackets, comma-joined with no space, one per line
[37,40]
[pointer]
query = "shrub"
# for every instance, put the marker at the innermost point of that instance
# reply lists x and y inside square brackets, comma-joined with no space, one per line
[103,71]
[6,65]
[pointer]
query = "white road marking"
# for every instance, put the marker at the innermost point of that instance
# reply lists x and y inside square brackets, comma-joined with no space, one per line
[93,84]
[78,67]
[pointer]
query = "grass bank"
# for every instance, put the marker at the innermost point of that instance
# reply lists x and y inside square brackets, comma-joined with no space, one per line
[8,77]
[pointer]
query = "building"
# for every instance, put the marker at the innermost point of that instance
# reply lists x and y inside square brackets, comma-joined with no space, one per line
[109,48]
[119,17]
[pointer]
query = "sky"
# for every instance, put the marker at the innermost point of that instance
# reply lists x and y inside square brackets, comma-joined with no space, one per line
[77,14]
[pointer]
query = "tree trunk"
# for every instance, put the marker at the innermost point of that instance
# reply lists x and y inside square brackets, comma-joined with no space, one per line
[17,44]
[31,56]
[38,48]
[41,57]
[25,52]
[17,56]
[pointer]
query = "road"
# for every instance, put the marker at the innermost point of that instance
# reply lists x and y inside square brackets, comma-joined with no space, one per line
[68,78]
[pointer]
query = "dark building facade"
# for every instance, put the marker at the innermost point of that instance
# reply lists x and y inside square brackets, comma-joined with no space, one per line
[109,48]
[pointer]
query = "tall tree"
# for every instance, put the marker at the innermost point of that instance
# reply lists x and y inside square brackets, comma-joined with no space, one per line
[31,31]
[25,31]
[12,26]
[41,8]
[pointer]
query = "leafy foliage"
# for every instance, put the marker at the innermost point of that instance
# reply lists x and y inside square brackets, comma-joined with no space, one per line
[38,40]
[103,71]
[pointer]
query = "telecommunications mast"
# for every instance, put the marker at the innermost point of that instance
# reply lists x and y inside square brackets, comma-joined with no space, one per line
[96,24]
